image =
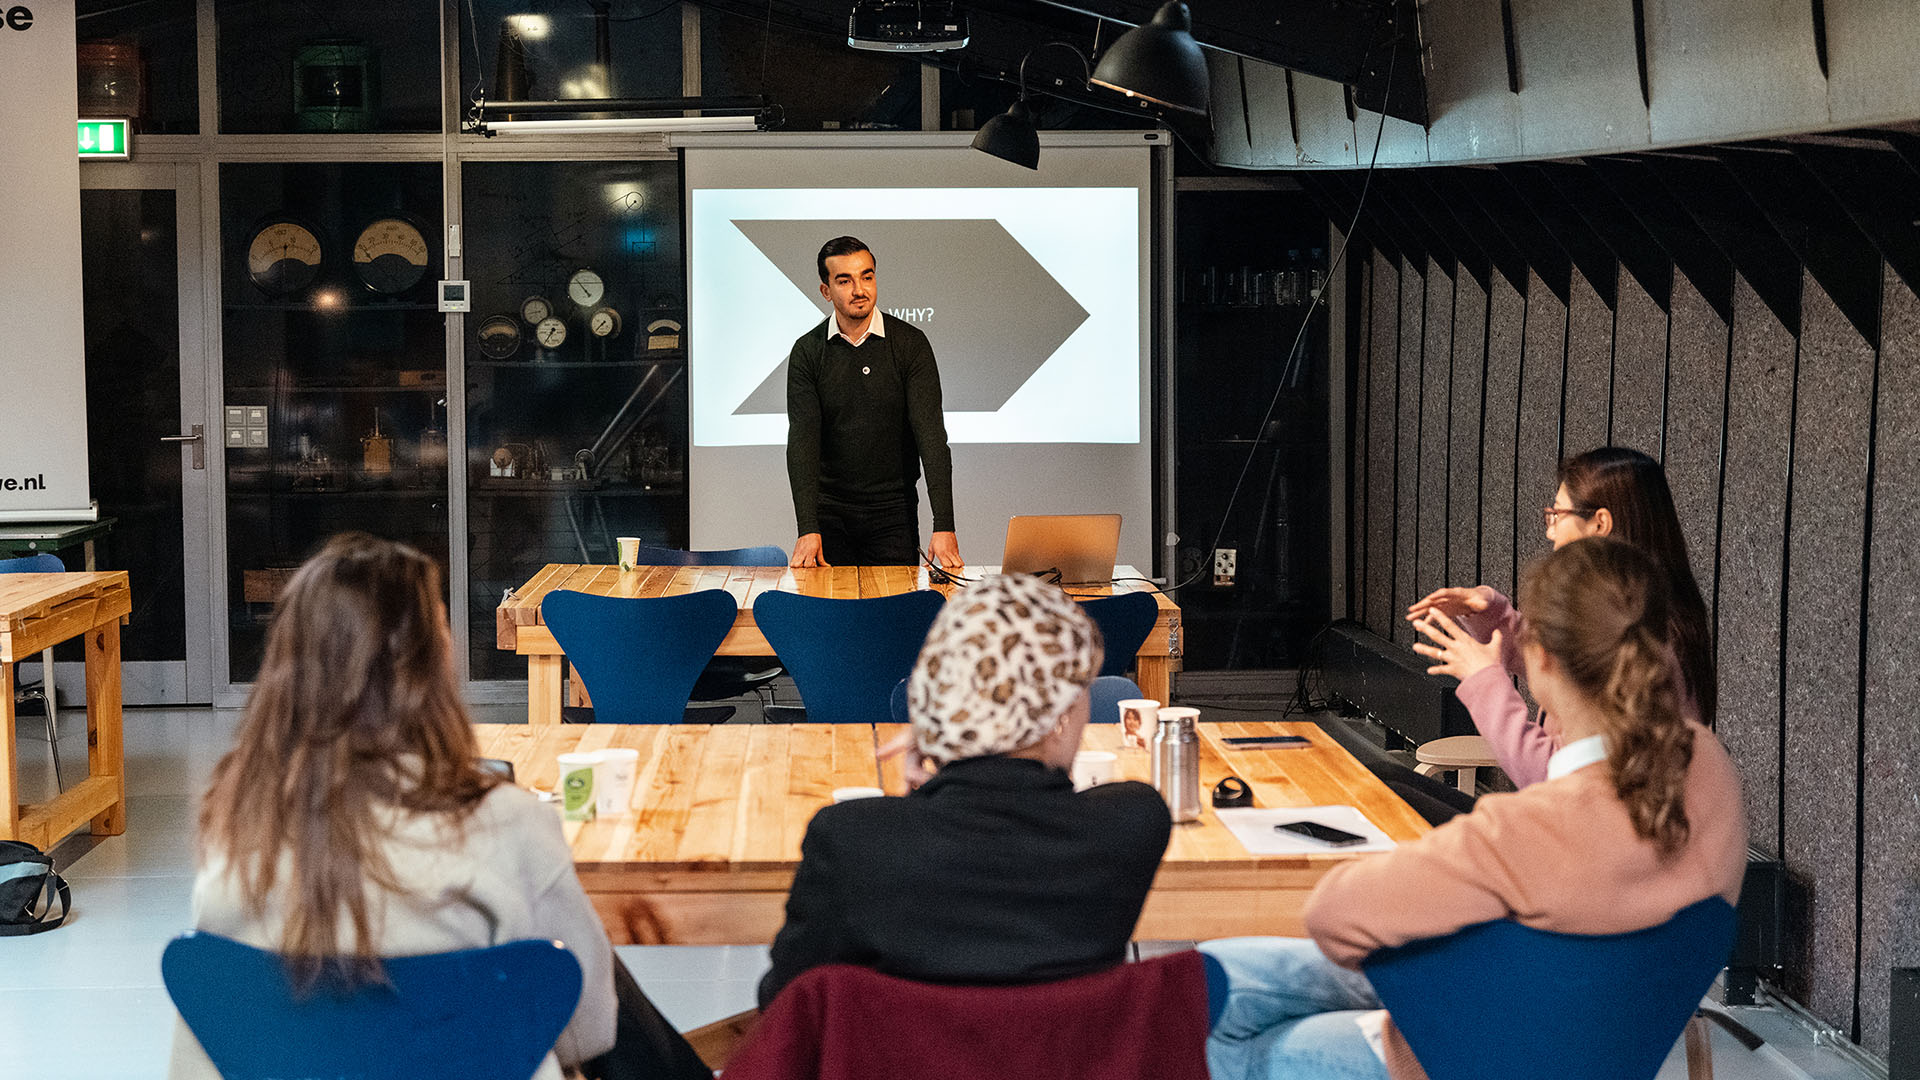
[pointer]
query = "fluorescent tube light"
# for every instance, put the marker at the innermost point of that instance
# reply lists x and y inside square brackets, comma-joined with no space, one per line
[617,125]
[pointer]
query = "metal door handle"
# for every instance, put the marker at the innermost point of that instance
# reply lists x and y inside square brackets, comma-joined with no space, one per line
[198,439]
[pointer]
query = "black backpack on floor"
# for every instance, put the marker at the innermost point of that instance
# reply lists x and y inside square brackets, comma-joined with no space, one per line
[26,873]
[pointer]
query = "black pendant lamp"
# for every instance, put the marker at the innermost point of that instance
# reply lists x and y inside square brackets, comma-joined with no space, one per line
[1158,62]
[1013,135]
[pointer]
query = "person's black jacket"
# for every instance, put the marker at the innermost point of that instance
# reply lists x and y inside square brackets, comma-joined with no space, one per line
[995,870]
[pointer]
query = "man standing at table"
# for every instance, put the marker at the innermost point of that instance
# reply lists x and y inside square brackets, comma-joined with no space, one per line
[863,419]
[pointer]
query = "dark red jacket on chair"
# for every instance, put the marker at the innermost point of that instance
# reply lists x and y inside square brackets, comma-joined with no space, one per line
[1145,1021]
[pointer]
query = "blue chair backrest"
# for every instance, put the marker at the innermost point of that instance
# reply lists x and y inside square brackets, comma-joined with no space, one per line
[1124,621]
[1501,999]
[639,657]
[481,1014]
[846,655]
[766,555]
[1107,692]
[42,563]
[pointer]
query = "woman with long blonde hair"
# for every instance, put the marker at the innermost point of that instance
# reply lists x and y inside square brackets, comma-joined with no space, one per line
[352,818]
[1638,817]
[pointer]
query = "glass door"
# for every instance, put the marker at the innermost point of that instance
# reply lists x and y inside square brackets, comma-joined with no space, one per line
[147,422]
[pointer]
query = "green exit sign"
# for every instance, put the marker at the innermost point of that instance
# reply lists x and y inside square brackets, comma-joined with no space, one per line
[109,140]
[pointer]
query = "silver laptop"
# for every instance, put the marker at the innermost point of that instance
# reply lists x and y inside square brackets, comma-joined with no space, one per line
[1081,547]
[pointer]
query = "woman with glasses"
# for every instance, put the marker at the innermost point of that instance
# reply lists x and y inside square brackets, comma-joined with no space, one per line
[1612,491]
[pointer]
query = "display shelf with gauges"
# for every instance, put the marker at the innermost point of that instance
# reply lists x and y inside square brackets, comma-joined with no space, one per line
[334,361]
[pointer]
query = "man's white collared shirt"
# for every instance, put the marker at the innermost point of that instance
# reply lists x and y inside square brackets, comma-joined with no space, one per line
[875,328]
[1577,755]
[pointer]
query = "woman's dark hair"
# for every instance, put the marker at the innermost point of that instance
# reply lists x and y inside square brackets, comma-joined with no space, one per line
[842,245]
[1632,488]
[1599,608]
[355,713]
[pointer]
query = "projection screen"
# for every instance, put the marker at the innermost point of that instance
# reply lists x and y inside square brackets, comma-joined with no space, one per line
[1032,288]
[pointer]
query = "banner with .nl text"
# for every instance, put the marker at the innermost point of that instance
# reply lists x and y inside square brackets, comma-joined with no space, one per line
[43,399]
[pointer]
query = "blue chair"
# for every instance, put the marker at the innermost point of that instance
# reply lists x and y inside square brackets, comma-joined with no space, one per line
[43,563]
[481,1014]
[1124,622]
[765,555]
[639,657]
[725,676]
[845,655]
[1107,692]
[1501,999]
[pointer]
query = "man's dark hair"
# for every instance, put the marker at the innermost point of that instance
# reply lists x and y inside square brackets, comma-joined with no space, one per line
[838,246]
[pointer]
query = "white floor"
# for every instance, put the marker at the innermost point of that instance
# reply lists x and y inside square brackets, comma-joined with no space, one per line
[85,1002]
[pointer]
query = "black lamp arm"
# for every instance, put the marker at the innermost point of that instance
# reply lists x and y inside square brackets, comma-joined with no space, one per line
[1086,69]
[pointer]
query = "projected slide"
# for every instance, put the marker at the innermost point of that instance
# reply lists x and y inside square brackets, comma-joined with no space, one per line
[1029,295]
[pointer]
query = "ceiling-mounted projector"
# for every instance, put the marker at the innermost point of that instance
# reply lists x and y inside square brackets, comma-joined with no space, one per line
[907,26]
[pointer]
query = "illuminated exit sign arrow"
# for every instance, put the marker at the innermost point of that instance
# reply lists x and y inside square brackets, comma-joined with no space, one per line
[108,140]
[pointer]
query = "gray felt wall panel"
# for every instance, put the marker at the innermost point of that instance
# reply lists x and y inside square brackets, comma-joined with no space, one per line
[1407,509]
[1436,416]
[1383,390]
[1464,439]
[1760,396]
[1358,442]
[1826,541]
[1506,324]
[1589,371]
[1639,368]
[1890,883]
[1541,366]
[1696,406]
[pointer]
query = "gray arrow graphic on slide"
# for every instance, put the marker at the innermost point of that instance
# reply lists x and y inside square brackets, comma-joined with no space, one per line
[997,314]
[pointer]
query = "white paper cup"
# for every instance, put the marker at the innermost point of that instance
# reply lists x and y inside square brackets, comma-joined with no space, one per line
[1137,717]
[613,779]
[1093,767]
[629,548]
[575,786]
[848,794]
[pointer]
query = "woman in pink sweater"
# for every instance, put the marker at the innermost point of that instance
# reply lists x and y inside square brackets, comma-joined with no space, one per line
[1638,817]
[1612,491]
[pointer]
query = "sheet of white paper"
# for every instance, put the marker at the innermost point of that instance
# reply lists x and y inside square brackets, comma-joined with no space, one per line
[1256,832]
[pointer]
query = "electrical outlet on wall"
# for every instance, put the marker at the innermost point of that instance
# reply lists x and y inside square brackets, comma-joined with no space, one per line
[1225,564]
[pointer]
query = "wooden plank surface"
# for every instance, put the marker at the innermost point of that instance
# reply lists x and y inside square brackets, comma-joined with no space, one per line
[710,847]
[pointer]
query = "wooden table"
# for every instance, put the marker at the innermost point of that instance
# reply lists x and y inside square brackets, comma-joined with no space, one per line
[710,850]
[37,611]
[519,629]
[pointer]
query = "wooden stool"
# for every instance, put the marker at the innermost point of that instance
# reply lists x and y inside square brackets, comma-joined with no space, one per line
[1463,755]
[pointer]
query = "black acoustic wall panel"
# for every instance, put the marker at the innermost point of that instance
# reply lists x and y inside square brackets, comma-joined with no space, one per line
[1589,370]
[1754,494]
[1696,408]
[1506,331]
[1826,540]
[1464,436]
[1542,365]
[1436,414]
[1890,791]
[1639,368]
[1413,298]
[1383,425]
[1359,439]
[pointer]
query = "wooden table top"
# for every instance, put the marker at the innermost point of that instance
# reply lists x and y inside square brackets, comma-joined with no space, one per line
[38,610]
[735,799]
[522,608]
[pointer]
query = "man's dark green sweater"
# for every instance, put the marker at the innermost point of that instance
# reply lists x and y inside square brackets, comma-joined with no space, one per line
[862,421]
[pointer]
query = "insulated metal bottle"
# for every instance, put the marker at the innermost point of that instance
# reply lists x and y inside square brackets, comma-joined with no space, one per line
[1176,762]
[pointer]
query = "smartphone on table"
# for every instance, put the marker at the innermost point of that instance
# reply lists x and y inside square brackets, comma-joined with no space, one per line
[1325,834]
[1267,742]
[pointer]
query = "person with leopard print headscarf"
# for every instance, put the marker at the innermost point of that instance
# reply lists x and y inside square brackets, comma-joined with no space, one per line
[995,870]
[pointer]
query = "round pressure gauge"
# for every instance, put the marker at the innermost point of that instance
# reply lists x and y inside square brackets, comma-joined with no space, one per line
[551,333]
[535,310]
[390,256]
[283,257]
[585,288]
[499,337]
[604,323]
